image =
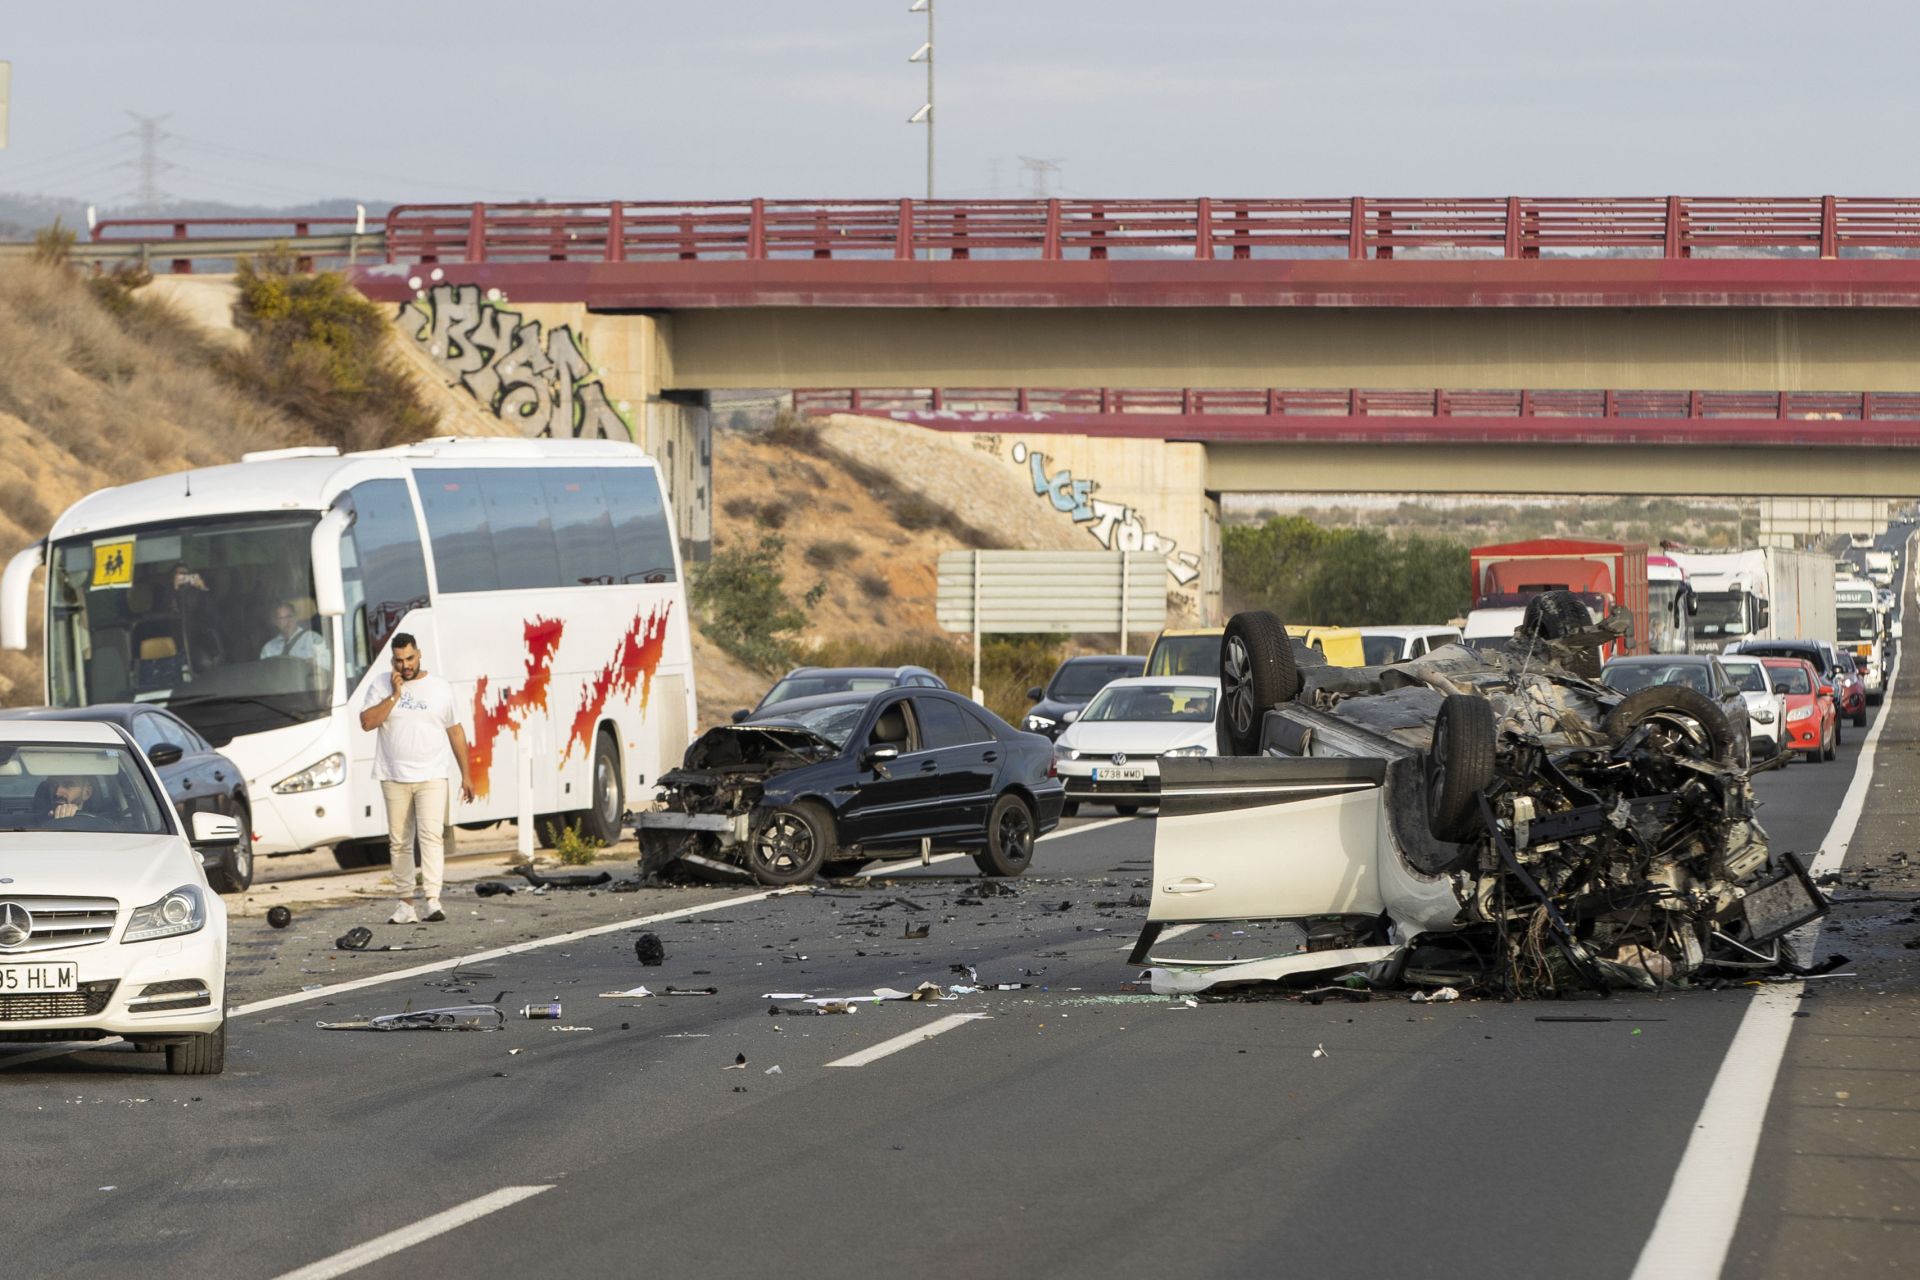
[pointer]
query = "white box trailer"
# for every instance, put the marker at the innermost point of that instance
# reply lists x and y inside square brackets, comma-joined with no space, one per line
[1766,593]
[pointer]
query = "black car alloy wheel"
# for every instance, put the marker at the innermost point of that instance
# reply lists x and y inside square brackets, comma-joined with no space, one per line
[1236,677]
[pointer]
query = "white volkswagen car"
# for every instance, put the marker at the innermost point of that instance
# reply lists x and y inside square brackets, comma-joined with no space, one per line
[107,925]
[1112,753]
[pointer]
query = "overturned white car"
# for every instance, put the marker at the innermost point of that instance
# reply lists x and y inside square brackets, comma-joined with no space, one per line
[1492,818]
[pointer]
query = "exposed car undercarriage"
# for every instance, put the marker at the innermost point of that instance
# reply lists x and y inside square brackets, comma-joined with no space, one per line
[1539,833]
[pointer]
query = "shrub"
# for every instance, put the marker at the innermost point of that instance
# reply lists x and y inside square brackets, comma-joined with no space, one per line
[572,846]
[740,508]
[741,595]
[794,430]
[319,352]
[875,587]
[53,246]
[771,515]
[831,554]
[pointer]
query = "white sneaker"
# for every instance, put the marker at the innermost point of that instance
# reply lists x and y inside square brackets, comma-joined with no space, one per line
[434,914]
[403,914]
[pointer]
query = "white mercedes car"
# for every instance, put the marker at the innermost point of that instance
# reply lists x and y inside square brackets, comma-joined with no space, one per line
[108,927]
[1111,754]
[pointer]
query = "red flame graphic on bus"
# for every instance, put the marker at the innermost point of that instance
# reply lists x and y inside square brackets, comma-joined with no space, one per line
[509,709]
[639,657]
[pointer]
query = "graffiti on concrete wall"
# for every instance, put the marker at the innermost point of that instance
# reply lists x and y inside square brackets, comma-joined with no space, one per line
[545,387]
[1114,525]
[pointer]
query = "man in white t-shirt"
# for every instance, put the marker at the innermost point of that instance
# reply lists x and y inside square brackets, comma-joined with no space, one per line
[421,745]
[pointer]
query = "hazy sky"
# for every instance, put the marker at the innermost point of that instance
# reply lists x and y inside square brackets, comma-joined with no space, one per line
[273,102]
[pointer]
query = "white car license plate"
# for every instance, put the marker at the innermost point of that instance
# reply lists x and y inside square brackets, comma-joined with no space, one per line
[1120,773]
[37,979]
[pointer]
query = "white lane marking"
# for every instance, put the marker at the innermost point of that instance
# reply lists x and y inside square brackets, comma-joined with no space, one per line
[406,1237]
[1696,1224]
[939,1026]
[58,1051]
[478,957]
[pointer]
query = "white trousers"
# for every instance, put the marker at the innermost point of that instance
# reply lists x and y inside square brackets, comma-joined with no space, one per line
[417,808]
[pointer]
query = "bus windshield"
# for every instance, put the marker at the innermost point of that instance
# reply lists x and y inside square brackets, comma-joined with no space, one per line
[214,619]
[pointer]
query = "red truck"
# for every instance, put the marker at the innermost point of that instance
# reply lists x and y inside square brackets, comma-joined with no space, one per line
[1602,574]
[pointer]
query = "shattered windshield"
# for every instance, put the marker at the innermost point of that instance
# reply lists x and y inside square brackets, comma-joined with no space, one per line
[1151,702]
[1630,676]
[60,788]
[213,619]
[834,722]
[1078,681]
[1721,613]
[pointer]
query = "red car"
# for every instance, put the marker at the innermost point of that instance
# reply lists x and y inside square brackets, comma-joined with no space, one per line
[1813,720]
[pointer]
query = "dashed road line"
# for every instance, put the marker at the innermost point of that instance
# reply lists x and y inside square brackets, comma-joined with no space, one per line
[406,1237]
[938,1027]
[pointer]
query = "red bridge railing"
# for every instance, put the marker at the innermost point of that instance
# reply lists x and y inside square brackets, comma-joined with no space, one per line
[1206,228]
[1858,406]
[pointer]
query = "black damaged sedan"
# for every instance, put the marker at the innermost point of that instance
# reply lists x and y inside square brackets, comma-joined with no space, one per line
[822,785]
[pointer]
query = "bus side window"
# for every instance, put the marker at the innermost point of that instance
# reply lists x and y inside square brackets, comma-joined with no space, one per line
[641,536]
[582,530]
[391,568]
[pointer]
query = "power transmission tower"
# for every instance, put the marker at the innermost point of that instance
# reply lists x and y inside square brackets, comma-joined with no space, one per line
[150,197]
[1041,175]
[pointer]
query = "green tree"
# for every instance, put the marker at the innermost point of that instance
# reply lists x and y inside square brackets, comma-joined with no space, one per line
[742,598]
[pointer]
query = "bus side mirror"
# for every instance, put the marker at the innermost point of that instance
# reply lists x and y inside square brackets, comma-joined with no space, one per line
[15,595]
[329,592]
[1761,615]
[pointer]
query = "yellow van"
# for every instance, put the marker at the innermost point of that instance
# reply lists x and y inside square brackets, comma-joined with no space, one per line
[1341,646]
[1194,651]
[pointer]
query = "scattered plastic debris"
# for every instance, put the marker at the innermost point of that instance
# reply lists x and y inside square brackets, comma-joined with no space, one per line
[569,1028]
[772,1071]
[631,993]
[739,1063]
[649,950]
[916,933]
[564,879]
[1445,995]
[279,917]
[493,889]
[692,991]
[354,939]
[464,1017]
[1320,1051]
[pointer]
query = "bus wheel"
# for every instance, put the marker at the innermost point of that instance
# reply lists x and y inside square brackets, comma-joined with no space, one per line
[602,821]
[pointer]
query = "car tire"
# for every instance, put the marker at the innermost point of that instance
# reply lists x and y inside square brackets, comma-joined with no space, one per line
[201,1055]
[791,845]
[1071,809]
[1126,810]
[235,872]
[1010,836]
[1839,732]
[1860,717]
[357,855]
[1257,671]
[1832,750]
[602,821]
[1677,704]
[1460,765]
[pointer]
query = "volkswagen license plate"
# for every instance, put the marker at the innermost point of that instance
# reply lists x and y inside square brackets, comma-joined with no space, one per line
[1120,773]
[38,979]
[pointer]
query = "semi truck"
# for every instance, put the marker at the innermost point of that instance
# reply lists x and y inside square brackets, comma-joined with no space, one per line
[1766,593]
[1669,606]
[1602,574]
[1859,624]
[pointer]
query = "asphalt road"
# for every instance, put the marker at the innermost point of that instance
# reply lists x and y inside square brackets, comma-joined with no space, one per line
[1074,1128]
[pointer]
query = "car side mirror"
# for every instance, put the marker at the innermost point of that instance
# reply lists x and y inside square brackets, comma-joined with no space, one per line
[1761,615]
[215,828]
[1780,687]
[165,753]
[874,757]
[741,714]
[1033,694]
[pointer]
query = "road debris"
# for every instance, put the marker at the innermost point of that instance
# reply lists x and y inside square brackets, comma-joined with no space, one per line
[739,1063]
[569,1028]
[493,889]
[549,1010]
[564,879]
[464,1017]
[691,991]
[279,917]
[774,1070]
[631,993]
[354,939]
[649,950]
[1445,995]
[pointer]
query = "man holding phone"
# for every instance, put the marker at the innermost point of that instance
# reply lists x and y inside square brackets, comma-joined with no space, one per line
[421,745]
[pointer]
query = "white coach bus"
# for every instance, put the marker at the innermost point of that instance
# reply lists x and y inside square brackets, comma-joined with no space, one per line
[541,577]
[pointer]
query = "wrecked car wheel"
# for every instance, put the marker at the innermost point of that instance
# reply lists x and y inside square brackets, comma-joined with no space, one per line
[791,845]
[1687,721]
[1009,838]
[1459,765]
[1555,615]
[1257,671]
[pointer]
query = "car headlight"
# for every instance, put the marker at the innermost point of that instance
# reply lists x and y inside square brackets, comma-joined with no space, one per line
[1064,753]
[1040,724]
[1070,717]
[1763,715]
[182,911]
[1799,713]
[330,772]
[1195,750]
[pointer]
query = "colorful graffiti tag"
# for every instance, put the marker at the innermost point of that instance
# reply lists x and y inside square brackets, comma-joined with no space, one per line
[545,388]
[1114,525]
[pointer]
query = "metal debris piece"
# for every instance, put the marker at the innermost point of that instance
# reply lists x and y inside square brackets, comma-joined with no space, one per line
[464,1017]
